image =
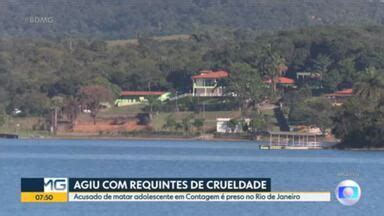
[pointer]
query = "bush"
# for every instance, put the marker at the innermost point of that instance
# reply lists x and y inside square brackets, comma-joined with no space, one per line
[149,134]
[196,104]
[2,117]
[370,137]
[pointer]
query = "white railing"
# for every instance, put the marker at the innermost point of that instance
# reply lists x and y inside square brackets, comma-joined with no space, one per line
[180,96]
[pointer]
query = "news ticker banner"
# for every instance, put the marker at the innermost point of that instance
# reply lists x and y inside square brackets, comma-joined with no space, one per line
[159,190]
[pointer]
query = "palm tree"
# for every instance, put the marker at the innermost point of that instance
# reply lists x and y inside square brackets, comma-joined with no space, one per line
[321,64]
[371,86]
[152,102]
[57,103]
[272,65]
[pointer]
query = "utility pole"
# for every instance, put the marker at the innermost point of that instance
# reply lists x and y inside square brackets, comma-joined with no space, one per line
[177,106]
[204,110]
[70,44]
[203,117]
[55,122]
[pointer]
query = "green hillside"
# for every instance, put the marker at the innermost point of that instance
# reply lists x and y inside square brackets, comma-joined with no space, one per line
[121,19]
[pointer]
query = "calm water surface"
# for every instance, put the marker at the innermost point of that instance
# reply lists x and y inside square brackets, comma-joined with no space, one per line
[289,170]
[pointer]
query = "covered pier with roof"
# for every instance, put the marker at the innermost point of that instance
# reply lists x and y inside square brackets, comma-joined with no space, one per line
[294,140]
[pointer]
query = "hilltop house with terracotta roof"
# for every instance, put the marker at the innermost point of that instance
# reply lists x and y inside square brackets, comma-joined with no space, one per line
[337,98]
[283,82]
[206,83]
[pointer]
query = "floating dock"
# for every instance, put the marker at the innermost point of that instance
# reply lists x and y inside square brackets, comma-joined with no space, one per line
[292,141]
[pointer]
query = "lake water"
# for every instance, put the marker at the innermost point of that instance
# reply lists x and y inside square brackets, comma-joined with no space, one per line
[289,170]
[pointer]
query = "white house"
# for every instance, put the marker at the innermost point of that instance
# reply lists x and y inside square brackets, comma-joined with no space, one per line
[206,84]
[222,125]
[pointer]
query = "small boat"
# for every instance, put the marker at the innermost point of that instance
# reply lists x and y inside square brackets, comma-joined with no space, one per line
[273,147]
[264,147]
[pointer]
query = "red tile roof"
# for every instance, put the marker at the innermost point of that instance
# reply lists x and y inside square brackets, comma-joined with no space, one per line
[342,93]
[207,74]
[283,80]
[141,93]
[345,91]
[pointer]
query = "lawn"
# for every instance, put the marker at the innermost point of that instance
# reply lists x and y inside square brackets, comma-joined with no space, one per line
[159,118]
[210,117]
[23,126]
[124,111]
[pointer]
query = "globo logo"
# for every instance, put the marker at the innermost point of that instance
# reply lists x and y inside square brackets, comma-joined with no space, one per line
[348,192]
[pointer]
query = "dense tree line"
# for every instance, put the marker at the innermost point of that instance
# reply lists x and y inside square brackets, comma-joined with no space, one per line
[359,123]
[38,76]
[34,71]
[128,18]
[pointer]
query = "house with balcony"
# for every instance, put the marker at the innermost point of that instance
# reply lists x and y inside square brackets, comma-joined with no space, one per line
[206,84]
[283,82]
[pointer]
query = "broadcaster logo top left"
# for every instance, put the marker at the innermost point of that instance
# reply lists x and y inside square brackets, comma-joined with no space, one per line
[44,190]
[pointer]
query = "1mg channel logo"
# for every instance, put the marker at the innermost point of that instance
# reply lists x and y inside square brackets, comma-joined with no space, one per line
[348,192]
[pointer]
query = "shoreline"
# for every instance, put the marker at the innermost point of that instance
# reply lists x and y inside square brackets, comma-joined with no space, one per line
[176,138]
[155,138]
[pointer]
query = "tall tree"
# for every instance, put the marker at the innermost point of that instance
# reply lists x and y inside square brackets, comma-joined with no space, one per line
[71,108]
[247,84]
[57,104]
[271,65]
[371,85]
[360,121]
[313,112]
[92,96]
[152,101]
[321,65]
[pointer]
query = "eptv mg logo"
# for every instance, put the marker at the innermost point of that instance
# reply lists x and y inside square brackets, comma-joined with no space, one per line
[44,189]
[55,184]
